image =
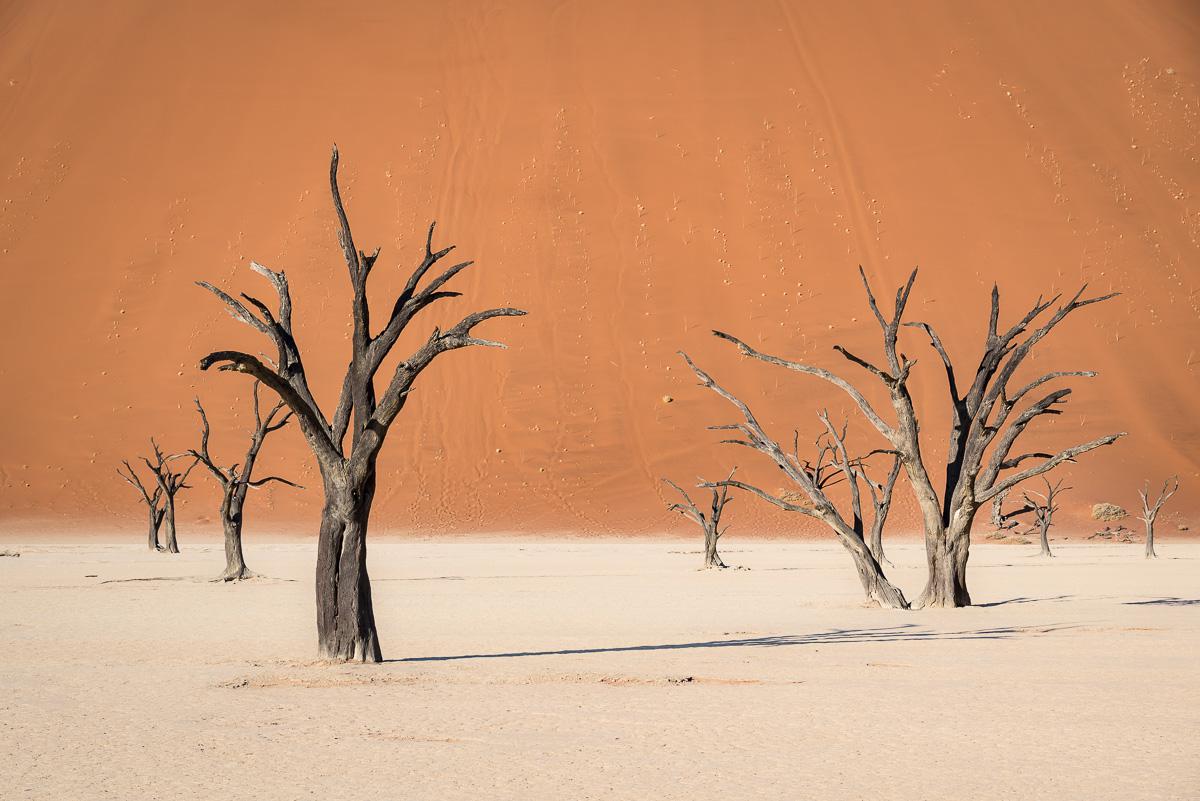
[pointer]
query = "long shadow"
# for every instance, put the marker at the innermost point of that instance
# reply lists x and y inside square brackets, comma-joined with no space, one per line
[1023,600]
[1166,602]
[908,632]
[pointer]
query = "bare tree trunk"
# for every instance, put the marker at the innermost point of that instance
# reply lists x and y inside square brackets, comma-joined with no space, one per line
[1044,531]
[231,523]
[345,616]
[172,546]
[877,546]
[711,557]
[946,555]
[1150,554]
[156,516]
[879,591]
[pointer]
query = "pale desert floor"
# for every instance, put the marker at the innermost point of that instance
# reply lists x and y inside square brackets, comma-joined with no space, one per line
[587,670]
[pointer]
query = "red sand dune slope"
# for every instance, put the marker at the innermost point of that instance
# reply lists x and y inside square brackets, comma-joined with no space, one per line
[633,174]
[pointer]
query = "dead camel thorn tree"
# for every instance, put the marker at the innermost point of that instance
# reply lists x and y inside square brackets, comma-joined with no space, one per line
[170,482]
[832,466]
[1044,505]
[236,480]
[710,523]
[985,425]
[345,617]
[1150,511]
[151,500]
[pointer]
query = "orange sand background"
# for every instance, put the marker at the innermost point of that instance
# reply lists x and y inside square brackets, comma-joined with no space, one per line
[633,174]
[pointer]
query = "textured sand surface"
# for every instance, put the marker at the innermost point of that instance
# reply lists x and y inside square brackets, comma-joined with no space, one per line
[601,670]
[633,174]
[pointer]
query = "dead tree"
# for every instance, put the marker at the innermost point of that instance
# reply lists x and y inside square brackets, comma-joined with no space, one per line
[345,618]
[983,431]
[710,523]
[1150,511]
[151,500]
[832,466]
[236,480]
[170,482]
[1043,506]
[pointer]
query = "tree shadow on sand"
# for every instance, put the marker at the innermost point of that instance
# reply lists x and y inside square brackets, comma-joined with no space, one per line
[1166,602]
[1024,600]
[908,632]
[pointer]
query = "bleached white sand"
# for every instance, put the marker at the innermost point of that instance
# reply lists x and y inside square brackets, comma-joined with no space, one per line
[600,670]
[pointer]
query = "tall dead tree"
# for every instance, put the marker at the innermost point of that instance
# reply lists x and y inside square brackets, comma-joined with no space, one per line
[1044,505]
[985,425]
[151,500]
[832,466]
[170,482]
[1150,511]
[710,523]
[236,480]
[345,618]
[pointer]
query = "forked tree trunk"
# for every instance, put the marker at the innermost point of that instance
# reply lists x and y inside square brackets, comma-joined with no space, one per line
[169,541]
[156,516]
[711,557]
[1044,531]
[345,616]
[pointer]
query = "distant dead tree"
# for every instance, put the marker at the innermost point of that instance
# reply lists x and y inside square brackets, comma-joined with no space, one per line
[1044,505]
[151,500]
[236,480]
[1150,511]
[983,423]
[710,523]
[345,617]
[170,482]
[833,465]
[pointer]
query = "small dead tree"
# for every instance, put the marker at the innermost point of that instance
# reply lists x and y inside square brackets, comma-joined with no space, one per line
[985,425]
[151,500]
[1150,511]
[710,523]
[236,480]
[1044,505]
[345,616]
[170,482]
[833,465]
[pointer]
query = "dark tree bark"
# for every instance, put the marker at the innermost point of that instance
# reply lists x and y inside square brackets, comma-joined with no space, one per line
[1150,510]
[881,499]
[345,619]
[710,523]
[153,510]
[1044,505]
[236,480]
[983,428]
[832,466]
[170,482]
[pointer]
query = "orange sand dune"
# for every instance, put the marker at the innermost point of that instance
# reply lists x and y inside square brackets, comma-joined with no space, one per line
[632,174]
